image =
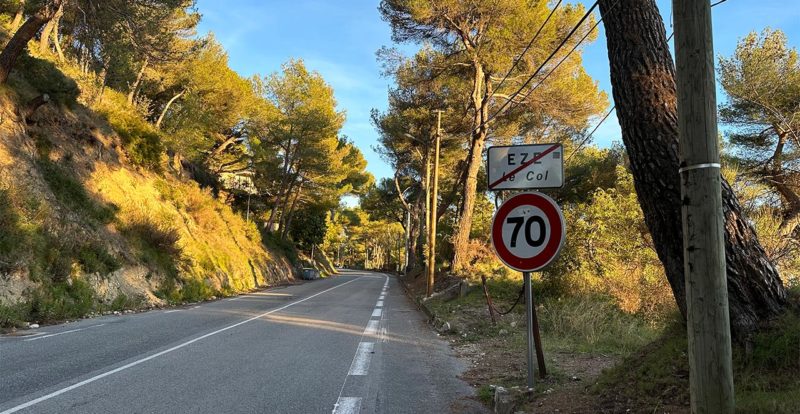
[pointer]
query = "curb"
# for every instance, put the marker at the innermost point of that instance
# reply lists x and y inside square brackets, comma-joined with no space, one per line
[418,301]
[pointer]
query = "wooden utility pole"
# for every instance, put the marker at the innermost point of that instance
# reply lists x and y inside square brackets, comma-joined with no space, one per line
[710,366]
[426,251]
[434,207]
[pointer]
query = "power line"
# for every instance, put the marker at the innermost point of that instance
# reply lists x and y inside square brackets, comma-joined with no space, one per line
[578,43]
[528,47]
[539,69]
[589,136]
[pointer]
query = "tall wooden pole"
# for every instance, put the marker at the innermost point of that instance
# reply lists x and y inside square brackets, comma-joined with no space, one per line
[434,207]
[711,372]
[426,251]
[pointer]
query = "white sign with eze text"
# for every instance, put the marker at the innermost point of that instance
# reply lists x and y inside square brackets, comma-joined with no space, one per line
[521,167]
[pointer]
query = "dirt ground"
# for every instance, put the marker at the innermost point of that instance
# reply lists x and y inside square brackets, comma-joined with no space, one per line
[496,355]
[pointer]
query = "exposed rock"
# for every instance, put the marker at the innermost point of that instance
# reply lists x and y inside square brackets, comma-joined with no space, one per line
[33,326]
[503,402]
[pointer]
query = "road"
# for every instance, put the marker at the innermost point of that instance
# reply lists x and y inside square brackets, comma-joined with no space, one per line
[350,344]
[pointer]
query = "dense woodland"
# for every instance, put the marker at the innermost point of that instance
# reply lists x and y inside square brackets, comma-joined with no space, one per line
[622,211]
[271,146]
[260,165]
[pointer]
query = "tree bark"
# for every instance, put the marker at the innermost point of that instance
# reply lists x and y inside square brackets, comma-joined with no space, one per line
[480,104]
[18,17]
[56,36]
[292,209]
[643,84]
[44,37]
[137,82]
[20,40]
[166,108]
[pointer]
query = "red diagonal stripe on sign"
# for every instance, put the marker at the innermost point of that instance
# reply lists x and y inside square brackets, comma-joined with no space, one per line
[526,164]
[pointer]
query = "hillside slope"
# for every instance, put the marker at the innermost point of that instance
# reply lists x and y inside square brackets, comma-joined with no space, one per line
[84,230]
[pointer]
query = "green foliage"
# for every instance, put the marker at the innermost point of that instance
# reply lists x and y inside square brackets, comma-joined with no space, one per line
[94,258]
[195,291]
[609,251]
[156,243]
[124,302]
[762,81]
[70,192]
[14,315]
[62,300]
[45,78]
[275,243]
[308,227]
[11,235]
[190,290]
[141,141]
[765,380]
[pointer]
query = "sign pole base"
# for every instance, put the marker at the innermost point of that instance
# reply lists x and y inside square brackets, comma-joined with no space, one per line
[537,339]
[526,276]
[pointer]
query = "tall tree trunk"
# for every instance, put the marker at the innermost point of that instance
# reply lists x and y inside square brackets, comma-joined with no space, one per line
[22,36]
[44,37]
[166,108]
[287,167]
[284,205]
[292,209]
[56,35]
[138,81]
[643,83]
[480,103]
[18,17]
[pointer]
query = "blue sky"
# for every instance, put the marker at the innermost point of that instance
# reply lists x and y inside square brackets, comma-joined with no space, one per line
[339,38]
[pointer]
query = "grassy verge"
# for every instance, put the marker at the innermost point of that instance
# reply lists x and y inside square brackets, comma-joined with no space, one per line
[602,359]
[765,379]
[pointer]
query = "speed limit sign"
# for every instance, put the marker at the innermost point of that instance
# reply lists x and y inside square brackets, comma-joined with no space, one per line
[528,231]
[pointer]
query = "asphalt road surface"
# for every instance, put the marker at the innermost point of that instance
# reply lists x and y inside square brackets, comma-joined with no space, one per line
[350,344]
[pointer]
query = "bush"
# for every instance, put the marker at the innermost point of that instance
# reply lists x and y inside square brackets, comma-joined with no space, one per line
[141,140]
[45,78]
[10,236]
[157,243]
[15,315]
[63,300]
[94,258]
[274,242]
[72,194]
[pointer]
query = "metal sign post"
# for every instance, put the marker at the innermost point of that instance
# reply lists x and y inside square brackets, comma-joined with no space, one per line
[527,234]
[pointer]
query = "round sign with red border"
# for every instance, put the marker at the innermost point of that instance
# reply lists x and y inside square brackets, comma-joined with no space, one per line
[528,231]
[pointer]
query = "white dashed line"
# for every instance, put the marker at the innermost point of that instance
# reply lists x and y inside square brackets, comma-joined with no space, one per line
[360,365]
[377,313]
[347,405]
[372,327]
[379,304]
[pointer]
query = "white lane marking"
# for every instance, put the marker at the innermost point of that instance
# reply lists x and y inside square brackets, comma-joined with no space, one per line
[360,365]
[164,352]
[381,297]
[196,307]
[377,313]
[62,333]
[379,304]
[347,405]
[372,328]
[174,310]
